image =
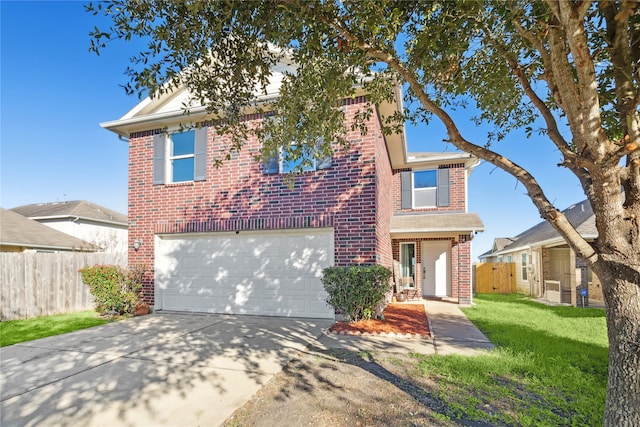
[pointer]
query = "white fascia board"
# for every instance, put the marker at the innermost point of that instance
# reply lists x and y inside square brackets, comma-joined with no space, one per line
[78,218]
[196,113]
[436,230]
[470,160]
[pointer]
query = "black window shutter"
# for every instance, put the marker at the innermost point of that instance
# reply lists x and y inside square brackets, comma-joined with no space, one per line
[200,155]
[406,189]
[158,158]
[443,187]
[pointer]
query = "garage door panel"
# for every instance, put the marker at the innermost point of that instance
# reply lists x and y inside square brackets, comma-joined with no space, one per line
[262,273]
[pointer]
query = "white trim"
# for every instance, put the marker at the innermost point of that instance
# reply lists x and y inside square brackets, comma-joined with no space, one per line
[76,218]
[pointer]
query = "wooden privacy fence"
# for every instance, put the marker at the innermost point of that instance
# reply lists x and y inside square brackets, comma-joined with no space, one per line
[41,284]
[495,277]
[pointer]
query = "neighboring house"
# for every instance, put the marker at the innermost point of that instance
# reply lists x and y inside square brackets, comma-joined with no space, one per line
[239,239]
[498,244]
[104,228]
[20,234]
[546,267]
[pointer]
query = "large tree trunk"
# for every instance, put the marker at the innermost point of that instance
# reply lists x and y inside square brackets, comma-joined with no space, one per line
[622,299]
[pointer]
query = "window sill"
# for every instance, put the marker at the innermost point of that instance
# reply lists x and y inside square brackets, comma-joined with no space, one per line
[180,184]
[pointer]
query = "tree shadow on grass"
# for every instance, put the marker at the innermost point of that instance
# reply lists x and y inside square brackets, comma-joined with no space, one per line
[528,384]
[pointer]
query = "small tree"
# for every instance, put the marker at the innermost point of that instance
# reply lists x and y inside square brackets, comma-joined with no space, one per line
[356,290]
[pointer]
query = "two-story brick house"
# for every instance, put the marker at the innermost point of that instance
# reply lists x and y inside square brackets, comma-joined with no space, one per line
[238,239]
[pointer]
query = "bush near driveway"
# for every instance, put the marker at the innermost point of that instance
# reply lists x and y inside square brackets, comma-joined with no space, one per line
[115,289]
[356,290]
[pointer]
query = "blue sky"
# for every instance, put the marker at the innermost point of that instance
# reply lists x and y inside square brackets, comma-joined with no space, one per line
[54,93]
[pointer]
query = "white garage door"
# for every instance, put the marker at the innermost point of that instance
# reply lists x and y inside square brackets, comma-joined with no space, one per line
[263,273]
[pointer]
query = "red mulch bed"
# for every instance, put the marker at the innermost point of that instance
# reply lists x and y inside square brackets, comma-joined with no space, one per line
[399,319]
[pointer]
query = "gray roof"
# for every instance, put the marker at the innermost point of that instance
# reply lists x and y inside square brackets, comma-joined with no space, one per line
[498,244]
[17,230]
[579,215]
[73,209]
[436,222]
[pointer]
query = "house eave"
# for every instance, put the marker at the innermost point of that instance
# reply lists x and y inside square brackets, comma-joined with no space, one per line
[78,218]
[46,247]
[130,123]
[556,241]
[414,160]
[446,230]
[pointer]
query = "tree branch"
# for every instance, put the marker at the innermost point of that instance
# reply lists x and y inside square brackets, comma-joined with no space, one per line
[572,161]
[545,207]
[589,122]
[582,7]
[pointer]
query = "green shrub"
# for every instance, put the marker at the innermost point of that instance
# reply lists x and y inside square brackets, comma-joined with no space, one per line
[114,289]
[356,290]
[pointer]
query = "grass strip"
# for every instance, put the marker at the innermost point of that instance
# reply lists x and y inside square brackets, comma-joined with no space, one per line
[17,331]
[549,367]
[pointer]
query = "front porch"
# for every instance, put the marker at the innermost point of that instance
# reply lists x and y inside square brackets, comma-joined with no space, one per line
[432,254]
[565,277]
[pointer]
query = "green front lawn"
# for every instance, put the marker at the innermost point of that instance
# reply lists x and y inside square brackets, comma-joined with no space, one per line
[549,368]
[16,331]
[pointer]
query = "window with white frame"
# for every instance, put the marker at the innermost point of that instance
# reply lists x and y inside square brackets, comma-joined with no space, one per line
[425,185]
[525,266]
[425,188]
[180,156]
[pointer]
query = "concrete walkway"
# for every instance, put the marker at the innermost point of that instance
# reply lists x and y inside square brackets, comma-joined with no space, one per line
[179,369]
[451,333]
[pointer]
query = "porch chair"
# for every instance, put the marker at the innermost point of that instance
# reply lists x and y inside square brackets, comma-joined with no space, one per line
[408,285]
[396,277]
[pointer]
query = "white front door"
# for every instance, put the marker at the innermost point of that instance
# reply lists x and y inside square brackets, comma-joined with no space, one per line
[436,280]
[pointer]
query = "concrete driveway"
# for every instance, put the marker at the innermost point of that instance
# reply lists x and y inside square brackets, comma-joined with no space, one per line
[170,369]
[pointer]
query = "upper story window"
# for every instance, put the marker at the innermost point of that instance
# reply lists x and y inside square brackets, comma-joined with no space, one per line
[425,185]
[181,147]
[180,156]
[425,188]
[308,162]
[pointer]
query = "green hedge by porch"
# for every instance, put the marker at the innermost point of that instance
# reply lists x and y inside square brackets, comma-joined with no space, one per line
[356,290]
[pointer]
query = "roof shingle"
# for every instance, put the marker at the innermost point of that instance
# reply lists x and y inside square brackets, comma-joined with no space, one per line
[17,230]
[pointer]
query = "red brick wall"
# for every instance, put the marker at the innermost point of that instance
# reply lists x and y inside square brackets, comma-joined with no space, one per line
[238,196]
[457,200]
[384,204]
